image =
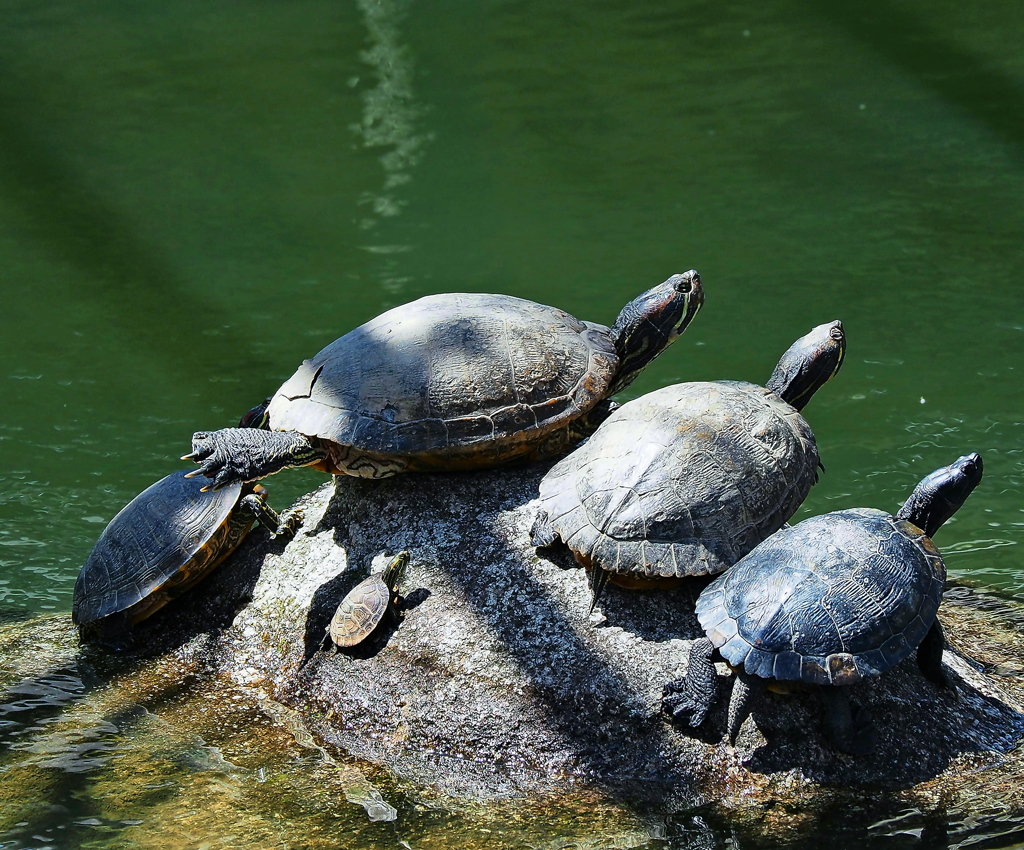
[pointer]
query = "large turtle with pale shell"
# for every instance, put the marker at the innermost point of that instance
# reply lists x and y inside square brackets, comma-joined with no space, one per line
[453,381]
[686,480]
[829,601]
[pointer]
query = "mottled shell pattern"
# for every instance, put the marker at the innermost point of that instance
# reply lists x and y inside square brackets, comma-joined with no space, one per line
[830,600]
[164,536]
[365,605]
[682,481]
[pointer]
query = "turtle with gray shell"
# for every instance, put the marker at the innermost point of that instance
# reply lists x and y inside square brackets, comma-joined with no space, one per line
[829,601]
[367,604]
[687,479]
[453,381]
[160,544]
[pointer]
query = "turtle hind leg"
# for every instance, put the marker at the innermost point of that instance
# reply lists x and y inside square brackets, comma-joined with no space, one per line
[284,524]
[248,454]
[598,582]
[690,698]
[848,726]
[929,656]
[745,691]
[542,532]
[560,441]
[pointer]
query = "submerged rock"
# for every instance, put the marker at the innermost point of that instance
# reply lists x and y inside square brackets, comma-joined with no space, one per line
[496,684]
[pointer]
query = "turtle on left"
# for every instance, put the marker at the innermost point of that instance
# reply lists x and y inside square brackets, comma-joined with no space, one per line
[159,545]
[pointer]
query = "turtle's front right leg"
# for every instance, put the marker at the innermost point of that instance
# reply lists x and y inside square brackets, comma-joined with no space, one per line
[249,454]
[689,699]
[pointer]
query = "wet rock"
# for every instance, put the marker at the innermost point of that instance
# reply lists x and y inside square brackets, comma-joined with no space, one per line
[496,684]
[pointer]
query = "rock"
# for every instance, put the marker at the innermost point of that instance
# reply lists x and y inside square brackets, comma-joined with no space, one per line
[497,685]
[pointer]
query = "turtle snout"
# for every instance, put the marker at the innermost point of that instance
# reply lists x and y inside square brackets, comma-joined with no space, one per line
[687,282]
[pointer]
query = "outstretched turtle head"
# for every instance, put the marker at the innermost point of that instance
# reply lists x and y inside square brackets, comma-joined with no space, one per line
[651,322]
[393,572]
[808,364]
[940,494]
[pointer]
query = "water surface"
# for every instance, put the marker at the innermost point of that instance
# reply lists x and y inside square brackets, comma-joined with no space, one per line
[195,197]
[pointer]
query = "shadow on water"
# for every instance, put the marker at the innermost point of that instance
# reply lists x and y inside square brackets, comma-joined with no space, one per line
[120,275]
[59,727]
[954,73]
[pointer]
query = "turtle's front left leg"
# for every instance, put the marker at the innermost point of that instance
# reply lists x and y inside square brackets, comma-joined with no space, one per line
[848,726]
[689,699]
[284,524]
[249,454]
[929,656]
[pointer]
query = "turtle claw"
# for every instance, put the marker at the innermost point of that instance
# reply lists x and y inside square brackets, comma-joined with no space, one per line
[203,445]
[217,459]
[677,702]
[289,524]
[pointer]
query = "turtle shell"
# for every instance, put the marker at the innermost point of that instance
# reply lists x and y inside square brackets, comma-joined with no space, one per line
[830,600]
[159,544]
[360,612]
[682,481]
[450,374]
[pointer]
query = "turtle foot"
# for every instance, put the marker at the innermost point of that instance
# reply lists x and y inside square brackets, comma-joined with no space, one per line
[542,533]
[678,701]
[221,456]
[234,455]
[848,725]
[290,522]
[863,736]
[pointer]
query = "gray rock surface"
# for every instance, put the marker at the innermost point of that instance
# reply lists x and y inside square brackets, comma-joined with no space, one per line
[497,685]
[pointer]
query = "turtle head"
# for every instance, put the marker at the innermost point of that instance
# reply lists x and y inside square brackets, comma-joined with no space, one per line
[808,364]
[649,323]
[258,417]
[393,571]
[941,494]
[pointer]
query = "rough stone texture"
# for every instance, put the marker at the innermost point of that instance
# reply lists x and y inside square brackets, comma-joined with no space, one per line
[496,684]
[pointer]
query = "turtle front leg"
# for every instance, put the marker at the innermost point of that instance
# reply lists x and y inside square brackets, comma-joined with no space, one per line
[248,454]
[690,698]
[599,580]
[929,656]
[284,524]
[848,726]
[542,532]
[745,691]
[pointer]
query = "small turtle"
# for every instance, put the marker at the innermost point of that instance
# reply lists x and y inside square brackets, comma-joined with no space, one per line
[829,601]
[365,605]
[160,544]
[687,479]
[454,381]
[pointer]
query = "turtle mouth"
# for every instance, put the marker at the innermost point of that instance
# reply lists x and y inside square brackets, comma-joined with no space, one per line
[970,467]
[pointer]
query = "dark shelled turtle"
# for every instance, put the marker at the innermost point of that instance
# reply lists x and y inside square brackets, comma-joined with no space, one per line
[364,607]
[454,381]
[829,601]
[160,544]
[687,479]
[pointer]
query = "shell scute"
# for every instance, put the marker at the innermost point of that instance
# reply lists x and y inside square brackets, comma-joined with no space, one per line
[360,612]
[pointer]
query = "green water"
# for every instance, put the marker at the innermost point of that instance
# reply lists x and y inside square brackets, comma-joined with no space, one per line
[194,197]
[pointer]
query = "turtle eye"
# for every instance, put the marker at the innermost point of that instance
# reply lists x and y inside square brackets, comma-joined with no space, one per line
[684,282]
